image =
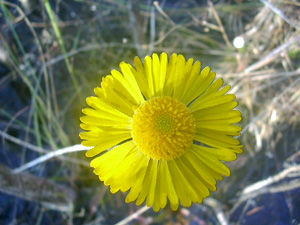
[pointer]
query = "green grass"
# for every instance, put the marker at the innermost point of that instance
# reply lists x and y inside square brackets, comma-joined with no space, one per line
[58,51]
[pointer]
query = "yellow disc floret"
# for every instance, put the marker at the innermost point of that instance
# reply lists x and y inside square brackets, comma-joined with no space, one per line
[163,128]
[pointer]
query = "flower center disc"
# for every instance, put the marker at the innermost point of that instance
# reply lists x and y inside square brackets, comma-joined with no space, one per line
[163,128]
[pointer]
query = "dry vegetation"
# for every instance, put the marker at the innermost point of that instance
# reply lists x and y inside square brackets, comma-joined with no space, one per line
[52,55]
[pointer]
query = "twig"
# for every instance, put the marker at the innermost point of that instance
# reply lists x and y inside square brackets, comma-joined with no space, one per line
[74,148]
[264,112]
[270,57]
[270,180]
[216,207]
[36,148]
[152,29]
[225,37]
[134,23]
[163,37]
[262,74]
[161,11]
[133,216]
[263,186]
[32,188]
[11,121]
[287,186]
[279,13]
[22,143]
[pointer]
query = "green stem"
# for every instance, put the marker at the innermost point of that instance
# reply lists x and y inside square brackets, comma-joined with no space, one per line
[62,45]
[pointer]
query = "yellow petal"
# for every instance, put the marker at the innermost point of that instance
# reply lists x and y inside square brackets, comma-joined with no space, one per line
[202,115]
[217,143]
[109,106]
[168,88]
[223,128]
[200,170]
[230,130]
[140,175]
[118,95]
[162,73]
[219,122]
[213,163]
[205,167]
[146,183]
[132,83]
[215,109]
[214,87]
[201,83]
[220,154]
[198,189]
[210,102]
[102,135]
[161,189]
[89,127]
[121,178]
[183,190]
[169,186]
[156,73]
[187,95]
[104,143]
[111,159]
[178,77]
[105,122]
[140,76]
[149,75]
[210,94]
[152,187]
[106,115]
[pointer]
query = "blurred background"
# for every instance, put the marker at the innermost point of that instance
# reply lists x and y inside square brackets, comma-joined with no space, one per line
[54,52]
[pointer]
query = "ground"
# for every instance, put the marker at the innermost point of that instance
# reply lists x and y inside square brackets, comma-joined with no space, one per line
[53,53]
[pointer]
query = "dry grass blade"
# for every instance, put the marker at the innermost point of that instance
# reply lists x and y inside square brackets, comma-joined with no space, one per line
[21,143]
[259,186]
[32,188]
[272,55]
[133,216]
[52,154]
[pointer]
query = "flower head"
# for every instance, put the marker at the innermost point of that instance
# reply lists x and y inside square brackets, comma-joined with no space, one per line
[164,128]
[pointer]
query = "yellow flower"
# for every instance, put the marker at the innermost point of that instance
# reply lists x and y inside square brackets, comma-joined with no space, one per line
[163,128]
